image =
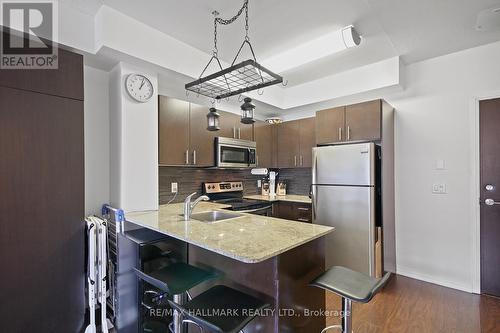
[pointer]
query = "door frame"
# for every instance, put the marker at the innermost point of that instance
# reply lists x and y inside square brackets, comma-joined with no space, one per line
[475,188]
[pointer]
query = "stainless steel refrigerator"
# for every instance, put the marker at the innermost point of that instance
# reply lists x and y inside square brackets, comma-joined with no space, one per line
[345,196]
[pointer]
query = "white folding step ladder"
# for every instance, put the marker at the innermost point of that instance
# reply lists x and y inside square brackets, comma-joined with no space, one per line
[97,272]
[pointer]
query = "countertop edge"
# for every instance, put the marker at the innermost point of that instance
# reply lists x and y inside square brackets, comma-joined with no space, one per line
[245,260]
[278,198]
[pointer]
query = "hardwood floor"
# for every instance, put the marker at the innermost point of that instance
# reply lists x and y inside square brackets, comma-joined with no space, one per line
[412,306]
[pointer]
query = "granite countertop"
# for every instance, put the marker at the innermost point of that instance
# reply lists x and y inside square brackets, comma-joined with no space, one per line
[288,197]
[247,238]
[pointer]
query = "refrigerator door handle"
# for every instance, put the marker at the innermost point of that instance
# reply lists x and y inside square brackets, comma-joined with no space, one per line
[314,202]
[314,167]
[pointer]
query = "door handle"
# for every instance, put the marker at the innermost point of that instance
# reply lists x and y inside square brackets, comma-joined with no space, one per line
[491,202]
[194,156]
[313,202]
[187,156]
[348,133]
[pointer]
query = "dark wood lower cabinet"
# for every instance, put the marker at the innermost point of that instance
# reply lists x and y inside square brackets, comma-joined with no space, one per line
[282,281]
[296,211]
[42,280]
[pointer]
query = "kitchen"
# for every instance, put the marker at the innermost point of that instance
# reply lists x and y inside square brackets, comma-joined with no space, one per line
[360,161]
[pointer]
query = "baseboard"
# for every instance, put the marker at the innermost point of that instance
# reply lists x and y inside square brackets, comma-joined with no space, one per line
[405,271]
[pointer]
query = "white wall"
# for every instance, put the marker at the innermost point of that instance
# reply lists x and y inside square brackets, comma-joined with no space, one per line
[96,131]
[434,232]
[133,144]
[434,120]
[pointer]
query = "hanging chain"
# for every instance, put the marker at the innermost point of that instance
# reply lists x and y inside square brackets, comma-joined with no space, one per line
[215,51]
[246,20]
[229,21]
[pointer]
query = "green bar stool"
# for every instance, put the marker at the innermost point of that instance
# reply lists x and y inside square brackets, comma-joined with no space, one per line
[351,286]
[209,310]
[176,280]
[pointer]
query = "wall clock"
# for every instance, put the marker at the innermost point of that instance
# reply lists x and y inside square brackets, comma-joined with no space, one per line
[139,87]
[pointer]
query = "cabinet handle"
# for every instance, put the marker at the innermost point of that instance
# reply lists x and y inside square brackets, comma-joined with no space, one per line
[303,208]
[303,220]
[234,132]
[340,133]
[295,160]
[239,133]
[348,133]
[194,156]
[257,160]
[301,160]
[187,156]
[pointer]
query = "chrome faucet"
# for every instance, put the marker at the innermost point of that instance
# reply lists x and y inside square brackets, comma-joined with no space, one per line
[189,206]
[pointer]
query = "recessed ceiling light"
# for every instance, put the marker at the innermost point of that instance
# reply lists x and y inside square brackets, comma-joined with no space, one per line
[315,49]
[488,20]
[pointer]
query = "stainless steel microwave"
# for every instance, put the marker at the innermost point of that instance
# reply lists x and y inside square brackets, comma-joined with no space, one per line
[235,153]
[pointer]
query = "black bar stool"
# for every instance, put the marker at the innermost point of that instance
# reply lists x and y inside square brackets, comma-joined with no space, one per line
[220,309]
[176,280]
[351,286]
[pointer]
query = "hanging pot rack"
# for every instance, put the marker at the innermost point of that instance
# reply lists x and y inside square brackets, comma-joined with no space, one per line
[238,78]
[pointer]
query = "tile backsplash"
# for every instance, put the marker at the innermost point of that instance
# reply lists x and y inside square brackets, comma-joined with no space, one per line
[190,180]
[298,180]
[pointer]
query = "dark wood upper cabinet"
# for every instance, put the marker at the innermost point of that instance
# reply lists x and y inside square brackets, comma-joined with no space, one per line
[201,140]
[183,136]
[245,131]
[357,122]
[173,131]
[265,144]
[307,138]
[231,127]
[66,81]
[330,125]
[363,121]
[295,140]
[228,123]
[288,144]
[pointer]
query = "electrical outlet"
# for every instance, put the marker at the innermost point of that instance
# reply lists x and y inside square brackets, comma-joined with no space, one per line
[173,187]
[259,183]
[439,188]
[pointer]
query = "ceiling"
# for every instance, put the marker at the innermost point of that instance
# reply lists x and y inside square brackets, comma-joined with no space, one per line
[415,30]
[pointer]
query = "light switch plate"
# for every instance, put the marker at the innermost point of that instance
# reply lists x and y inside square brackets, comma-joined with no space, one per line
[440,165]
[439,188]
[173,187]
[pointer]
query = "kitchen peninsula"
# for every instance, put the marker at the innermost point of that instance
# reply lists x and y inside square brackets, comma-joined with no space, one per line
[273,259]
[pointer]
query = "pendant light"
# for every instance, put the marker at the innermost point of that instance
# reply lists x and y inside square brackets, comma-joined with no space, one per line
[247,109]
[213,120]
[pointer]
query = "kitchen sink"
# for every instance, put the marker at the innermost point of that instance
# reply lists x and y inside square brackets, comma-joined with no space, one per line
[213,216]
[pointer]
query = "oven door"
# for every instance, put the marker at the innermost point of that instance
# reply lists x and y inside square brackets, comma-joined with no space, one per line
[235,156]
